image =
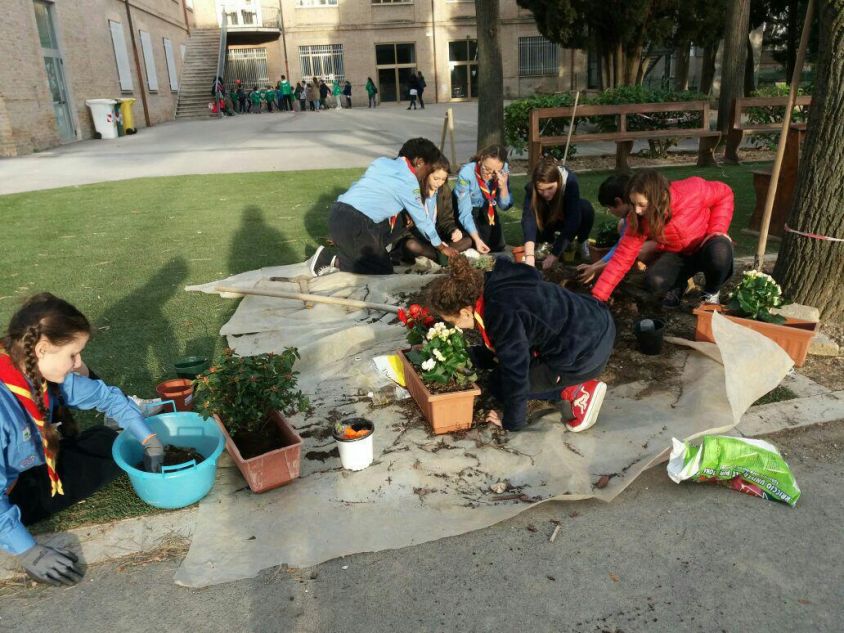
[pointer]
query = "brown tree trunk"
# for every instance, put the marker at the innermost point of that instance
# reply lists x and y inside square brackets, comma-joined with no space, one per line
[707,68]
[732,64]
[681,70]
[809,270]
[490,74]
[618,66]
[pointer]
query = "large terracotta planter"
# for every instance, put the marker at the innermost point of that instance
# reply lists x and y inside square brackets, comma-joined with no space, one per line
[445,412]
[272,469]
[793,336]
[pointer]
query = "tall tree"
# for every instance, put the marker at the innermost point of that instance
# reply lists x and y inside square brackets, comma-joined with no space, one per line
[490,74]
[810,269]
[732,65]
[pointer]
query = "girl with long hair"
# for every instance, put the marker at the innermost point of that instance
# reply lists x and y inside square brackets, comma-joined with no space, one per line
[688,219]
[483,188]
[549,343]
[438,206]
[553,205]
[43,470]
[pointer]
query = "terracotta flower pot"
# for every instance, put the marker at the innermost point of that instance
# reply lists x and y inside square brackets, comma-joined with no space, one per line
[179,390]
[272,469]
[793,336]
[596,253]
[518,254]
[445,412]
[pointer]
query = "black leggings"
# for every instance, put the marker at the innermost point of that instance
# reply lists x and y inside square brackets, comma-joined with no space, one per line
[361,243]
[673,270]
[491,234]
[84,466]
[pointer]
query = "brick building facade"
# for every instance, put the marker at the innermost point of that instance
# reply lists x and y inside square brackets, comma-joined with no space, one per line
[56,54]
[386,40]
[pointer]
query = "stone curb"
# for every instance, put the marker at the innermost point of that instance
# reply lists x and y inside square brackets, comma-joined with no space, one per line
[110,541]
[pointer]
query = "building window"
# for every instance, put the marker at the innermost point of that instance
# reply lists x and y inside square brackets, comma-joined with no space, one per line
[249,65]
[395,62]
[149,61]
[121,55]
[537,57]
[316,3]
[322,60]
[463,62]
[171,65]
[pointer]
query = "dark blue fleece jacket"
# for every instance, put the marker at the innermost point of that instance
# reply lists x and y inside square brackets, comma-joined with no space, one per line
[530,320]
[571,216]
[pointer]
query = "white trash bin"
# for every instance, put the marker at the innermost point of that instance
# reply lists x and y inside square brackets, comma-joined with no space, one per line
[105,121]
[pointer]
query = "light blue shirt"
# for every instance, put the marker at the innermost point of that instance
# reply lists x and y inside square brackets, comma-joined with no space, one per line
[21,449]
[386,188]
[469,196]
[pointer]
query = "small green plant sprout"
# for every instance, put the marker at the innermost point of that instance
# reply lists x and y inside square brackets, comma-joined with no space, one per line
[607,234]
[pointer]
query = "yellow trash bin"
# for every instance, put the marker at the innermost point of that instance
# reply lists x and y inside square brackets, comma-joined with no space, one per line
[127,115]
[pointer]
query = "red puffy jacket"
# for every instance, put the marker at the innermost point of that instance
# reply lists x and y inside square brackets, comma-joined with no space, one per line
[699,208]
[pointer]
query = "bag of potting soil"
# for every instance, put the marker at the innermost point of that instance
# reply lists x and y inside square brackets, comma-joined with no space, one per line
[754,467]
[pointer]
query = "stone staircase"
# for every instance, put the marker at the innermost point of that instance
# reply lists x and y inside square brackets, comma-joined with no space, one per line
[198,74]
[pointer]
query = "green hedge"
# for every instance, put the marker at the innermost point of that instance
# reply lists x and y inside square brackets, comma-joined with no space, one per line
[774,114]
[517,116]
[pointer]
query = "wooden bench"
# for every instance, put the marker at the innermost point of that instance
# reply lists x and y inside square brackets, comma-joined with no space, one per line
[624,137]
[739,128]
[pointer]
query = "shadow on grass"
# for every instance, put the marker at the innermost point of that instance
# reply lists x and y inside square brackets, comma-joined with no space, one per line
[256,244]
[316,217]
[142,329]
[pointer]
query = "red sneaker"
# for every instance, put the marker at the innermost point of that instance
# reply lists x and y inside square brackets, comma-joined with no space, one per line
[586,400]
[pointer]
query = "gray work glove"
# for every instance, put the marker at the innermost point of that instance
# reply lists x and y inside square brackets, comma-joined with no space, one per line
[53,565]
[153,454]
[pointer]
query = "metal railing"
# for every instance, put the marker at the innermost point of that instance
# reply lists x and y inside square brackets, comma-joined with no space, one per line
[221,62]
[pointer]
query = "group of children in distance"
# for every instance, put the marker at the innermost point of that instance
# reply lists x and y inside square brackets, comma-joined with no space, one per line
[542,341]
[313,95]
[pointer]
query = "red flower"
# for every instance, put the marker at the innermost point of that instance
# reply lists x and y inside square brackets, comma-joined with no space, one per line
[415,310]
[402,316]
[429,321]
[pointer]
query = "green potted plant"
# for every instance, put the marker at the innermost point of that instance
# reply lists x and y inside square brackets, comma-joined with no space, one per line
[249,396]
[438,372]
[750,305]
[604,240]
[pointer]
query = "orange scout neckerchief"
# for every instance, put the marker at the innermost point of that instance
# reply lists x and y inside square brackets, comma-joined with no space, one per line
[489,193]
[479,319]
[16,382]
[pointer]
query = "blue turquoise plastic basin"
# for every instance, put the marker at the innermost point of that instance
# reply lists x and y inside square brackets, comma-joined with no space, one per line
[180,485]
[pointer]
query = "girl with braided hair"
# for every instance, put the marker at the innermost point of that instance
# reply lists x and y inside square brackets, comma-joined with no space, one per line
[545,342]
[41,470]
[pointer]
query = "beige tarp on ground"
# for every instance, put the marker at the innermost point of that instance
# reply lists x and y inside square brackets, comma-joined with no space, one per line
[421,487]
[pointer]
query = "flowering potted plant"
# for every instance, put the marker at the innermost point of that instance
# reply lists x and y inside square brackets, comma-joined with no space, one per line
[248,396]
[605,239]
[440,377]
[750,305]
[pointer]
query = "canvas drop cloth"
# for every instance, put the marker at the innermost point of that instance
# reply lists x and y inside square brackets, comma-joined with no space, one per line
[420,487]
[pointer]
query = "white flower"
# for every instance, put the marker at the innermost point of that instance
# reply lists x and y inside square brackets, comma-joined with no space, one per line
[429,364]
[439,355]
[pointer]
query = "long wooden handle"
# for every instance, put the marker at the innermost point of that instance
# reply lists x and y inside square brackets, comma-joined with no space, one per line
[282,294]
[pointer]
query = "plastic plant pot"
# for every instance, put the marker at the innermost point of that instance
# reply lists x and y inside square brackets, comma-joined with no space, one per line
[190,366]
[179,390]
[649,335]
[356,453]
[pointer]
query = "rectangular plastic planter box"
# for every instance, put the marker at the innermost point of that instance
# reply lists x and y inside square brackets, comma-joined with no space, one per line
[445,412]
[793,336]
[273,469]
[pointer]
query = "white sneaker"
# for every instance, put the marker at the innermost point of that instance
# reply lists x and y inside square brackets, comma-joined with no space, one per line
[322,263]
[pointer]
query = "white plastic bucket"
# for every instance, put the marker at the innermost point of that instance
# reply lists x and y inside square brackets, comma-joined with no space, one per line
[356,454]
[105,120]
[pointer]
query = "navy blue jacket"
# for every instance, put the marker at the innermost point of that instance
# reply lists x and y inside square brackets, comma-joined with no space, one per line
[571,215]
[530,320]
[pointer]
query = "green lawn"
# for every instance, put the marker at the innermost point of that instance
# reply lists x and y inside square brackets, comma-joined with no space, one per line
[122,252]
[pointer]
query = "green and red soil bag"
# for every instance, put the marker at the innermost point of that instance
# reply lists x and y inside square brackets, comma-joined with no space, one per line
[753,467]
